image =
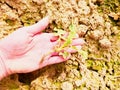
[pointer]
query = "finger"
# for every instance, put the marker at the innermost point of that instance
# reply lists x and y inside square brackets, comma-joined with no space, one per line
[54,38]
[78,41]
[38,27]
[67,33]
[73,50]
[55,59]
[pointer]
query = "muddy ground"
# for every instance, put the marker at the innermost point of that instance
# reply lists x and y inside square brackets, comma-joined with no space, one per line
[97,21]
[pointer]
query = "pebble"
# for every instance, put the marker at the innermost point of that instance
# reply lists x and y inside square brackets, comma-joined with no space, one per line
[105,43]
[67,86]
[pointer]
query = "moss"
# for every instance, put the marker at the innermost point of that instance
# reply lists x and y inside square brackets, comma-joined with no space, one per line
[110,5]
[10,22]
[27,19]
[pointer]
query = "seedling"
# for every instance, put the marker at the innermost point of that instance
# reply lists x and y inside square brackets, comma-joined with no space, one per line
[67,42]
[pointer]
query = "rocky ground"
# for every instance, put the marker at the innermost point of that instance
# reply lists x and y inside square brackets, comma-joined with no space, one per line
[97,21]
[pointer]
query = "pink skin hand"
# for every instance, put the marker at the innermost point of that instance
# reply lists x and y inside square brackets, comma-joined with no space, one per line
[24,49]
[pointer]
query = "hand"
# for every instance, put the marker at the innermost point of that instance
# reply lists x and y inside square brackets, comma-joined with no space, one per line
[28,48]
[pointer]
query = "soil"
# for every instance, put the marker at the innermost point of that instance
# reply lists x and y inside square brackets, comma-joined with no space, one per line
[97,21]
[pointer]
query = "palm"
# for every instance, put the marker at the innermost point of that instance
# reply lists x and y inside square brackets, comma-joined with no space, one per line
[29,51]
[23,43]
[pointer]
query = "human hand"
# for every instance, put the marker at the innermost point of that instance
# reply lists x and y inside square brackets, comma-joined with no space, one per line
[28,49]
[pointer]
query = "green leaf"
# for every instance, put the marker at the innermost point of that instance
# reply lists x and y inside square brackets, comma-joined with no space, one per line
[59,31]
[68,41]
[64,54]
[84,54]
[70,37]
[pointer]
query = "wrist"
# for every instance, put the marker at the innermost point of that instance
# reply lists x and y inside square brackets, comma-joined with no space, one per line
[3,68]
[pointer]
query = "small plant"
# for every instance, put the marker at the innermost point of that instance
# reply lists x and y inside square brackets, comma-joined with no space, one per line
[67,42]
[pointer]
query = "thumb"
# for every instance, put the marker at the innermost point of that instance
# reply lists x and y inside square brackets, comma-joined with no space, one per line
[38,27]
